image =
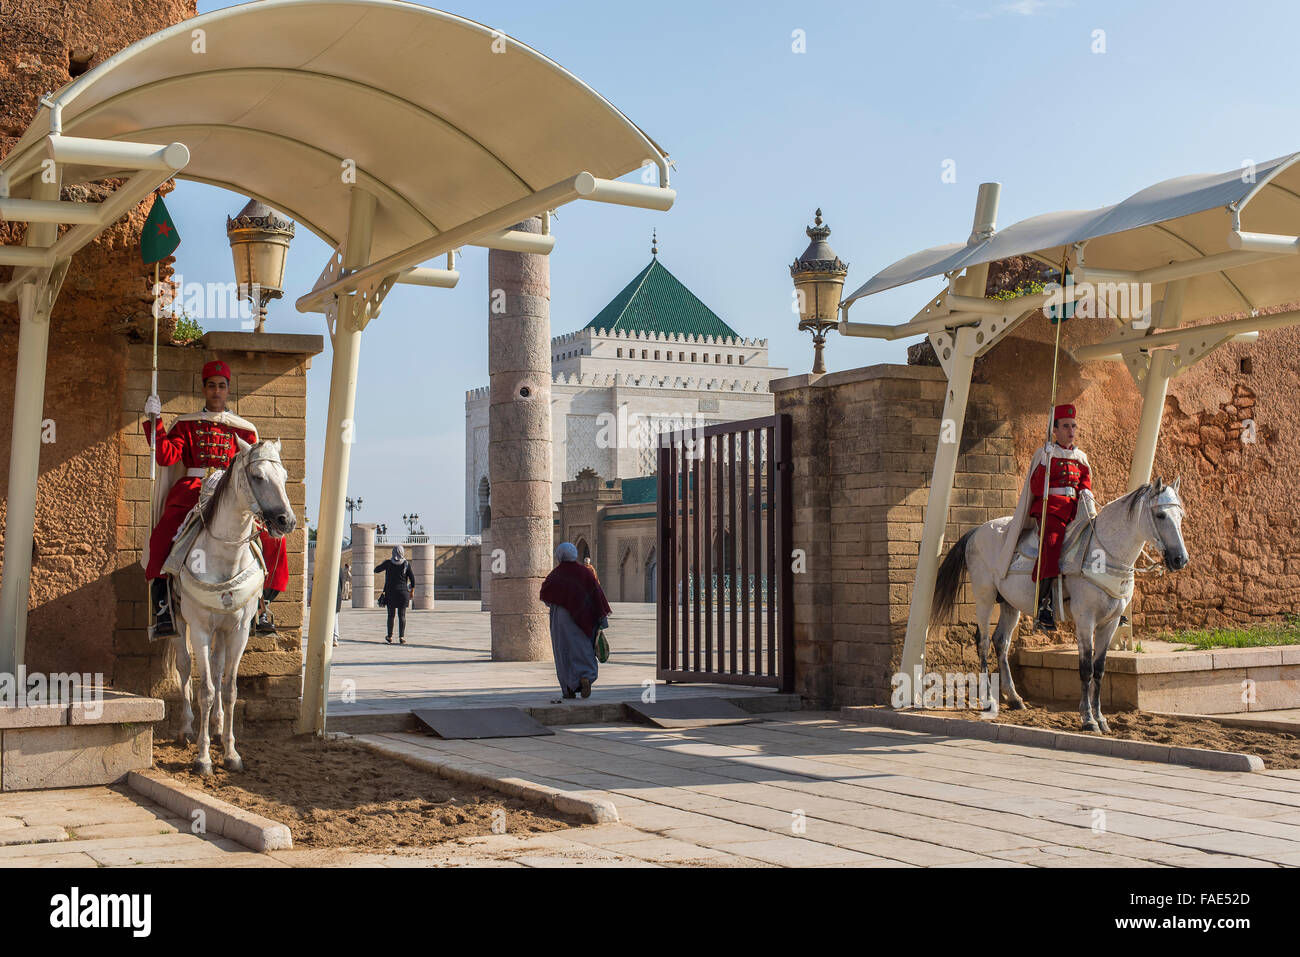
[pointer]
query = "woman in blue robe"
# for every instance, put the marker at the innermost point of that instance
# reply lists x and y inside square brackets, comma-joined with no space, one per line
[578,612]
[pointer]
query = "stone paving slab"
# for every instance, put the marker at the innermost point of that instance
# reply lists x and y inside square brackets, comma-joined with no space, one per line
[908,798]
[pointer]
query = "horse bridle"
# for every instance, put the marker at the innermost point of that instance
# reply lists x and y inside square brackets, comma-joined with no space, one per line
[1155,536]
[260,452]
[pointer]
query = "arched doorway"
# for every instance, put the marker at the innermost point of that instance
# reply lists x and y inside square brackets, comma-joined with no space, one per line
[651,577]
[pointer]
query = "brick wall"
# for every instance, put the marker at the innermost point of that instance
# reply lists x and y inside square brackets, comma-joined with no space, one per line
[863,446]
[269,389]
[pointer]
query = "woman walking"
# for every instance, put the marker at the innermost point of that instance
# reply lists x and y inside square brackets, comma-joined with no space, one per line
[578,611]
[399,584]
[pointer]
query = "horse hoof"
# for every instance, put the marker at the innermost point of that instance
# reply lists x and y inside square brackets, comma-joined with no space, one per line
[184,740]
[1090,726]
[203,768]
[1105,728]
[234,764]
[1018,704]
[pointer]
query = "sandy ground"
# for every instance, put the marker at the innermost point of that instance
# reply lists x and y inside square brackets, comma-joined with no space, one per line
[1277,749]
[335,794]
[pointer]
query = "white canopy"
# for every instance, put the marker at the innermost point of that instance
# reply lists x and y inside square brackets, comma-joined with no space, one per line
[279,99]
[1179,220]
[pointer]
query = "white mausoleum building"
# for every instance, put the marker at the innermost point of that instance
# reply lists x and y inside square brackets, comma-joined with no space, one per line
[656,359]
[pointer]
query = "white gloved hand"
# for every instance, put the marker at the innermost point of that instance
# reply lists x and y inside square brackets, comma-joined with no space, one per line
[153,405]
[1088,503]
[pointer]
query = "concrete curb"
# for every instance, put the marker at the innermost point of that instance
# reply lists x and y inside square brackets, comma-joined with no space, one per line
[1256,721]
[1058,740]
[595,810]
[255,832]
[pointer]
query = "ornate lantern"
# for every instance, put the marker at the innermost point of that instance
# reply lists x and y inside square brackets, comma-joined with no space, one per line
[819,282]
[259,238]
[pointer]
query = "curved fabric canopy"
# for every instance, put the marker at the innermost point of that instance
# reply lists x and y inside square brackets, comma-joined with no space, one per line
[1174,221]
[443,119]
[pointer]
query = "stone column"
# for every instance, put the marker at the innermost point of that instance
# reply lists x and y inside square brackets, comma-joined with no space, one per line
[485,570]
[519,447]
[422,565]
[363,566]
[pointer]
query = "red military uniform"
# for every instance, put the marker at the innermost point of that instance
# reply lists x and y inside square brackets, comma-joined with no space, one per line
[200,444]
[1069,477]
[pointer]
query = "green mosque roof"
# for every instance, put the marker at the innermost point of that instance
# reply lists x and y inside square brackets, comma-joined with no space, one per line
[657,302]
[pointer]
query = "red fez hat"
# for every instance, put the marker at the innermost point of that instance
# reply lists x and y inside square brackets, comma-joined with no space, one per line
[216,367]
[1063,412]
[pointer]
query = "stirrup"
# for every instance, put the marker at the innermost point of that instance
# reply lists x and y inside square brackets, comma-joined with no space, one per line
[162,627]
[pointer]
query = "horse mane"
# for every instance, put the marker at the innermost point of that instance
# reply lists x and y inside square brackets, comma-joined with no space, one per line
[1135,497]
[209,510]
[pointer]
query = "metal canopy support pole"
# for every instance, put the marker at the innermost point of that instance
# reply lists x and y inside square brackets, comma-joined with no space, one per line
[339,436]
[1154,389]
[936,507]
[36,301]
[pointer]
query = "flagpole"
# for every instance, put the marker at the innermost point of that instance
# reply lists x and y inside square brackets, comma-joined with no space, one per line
[1047,447]
[153,384]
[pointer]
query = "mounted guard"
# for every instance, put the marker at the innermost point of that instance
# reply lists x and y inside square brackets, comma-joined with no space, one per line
[198,445]
[1068,490]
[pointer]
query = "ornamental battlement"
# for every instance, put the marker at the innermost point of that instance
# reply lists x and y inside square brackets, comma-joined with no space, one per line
[601,380]
[634,335]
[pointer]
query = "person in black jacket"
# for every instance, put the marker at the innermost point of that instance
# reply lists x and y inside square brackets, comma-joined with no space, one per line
[399,585]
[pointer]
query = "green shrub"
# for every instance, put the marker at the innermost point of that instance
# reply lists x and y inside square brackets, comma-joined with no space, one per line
[187,330]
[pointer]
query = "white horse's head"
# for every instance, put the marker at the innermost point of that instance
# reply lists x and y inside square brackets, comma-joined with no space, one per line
[1165,508]
[261,483]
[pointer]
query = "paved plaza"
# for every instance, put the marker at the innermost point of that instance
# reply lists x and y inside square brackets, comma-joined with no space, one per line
[447,662]
[796,789]
[791,789]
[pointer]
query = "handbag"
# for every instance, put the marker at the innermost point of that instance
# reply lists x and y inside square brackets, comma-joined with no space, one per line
[602,647]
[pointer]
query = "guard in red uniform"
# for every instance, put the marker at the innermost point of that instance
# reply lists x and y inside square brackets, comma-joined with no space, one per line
[1071,481]
[199,443]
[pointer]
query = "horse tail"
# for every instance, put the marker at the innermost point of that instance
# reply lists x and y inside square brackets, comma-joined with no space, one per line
[949,579]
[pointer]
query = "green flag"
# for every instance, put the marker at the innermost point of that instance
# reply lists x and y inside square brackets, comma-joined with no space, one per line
[159,238]
[1065,309]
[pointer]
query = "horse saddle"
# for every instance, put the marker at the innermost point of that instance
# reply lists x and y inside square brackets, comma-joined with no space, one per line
[1072,548]
[1077,558]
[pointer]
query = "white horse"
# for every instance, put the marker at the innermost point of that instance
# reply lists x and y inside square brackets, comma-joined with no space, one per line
[1097,584]
[215,596]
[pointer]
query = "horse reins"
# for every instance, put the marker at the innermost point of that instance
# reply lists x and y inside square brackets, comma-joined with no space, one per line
[259,513]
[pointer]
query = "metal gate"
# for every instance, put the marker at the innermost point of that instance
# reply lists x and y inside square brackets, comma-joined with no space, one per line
[725,610]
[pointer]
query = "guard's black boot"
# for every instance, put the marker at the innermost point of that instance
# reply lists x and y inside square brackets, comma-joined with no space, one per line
[162,610]
[1046,620]
[265,624]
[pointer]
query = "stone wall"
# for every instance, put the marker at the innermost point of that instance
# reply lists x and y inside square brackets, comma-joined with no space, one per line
[863,447]
[270,390]
[103,305]
[1242,527]
[44,44]
[864,444]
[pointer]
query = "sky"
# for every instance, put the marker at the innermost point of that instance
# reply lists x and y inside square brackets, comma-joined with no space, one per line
[887,116]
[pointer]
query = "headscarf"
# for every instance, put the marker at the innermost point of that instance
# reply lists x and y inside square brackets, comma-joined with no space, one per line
[573,586]
[398,555]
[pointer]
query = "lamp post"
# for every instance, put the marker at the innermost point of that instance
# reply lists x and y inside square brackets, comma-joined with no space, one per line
[413,526]
[259,239]
[818,282]
[352,505]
